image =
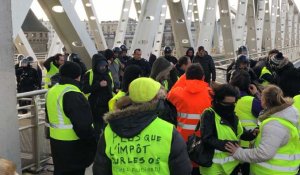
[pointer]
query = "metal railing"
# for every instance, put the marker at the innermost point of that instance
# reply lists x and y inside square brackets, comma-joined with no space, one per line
[35,148]
[293,53]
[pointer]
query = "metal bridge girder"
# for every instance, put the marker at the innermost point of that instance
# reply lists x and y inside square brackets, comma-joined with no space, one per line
[225,18]
[208,25]
[267,43]
[69,28]
[95,26]
[147,27]
[181,31]
[274,10]
[260,19]
[240,23]
[138,7]
[196,21]
[122,25]
[251,27]
[159,35]
[23,46]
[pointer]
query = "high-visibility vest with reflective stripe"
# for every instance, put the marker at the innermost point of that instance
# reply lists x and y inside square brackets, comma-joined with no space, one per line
[287,158]
[53,70]
[243,110]
[297,106]
[146,153]
[186,124]
[225,132]
[264,71]
[91,78]
[60,125]
[112,102]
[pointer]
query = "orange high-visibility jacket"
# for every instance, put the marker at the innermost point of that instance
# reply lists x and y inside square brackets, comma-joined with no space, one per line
[190,98]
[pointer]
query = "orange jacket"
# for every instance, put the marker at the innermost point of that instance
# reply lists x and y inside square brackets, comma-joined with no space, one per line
[191,98]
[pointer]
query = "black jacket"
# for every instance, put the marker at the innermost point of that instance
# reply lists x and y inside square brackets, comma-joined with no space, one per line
[129,123]
[210,137]
[27,79]
[208,66]
[179,70]
[79,154]
[99,96]
[288,79]
[171,59]
[143,64]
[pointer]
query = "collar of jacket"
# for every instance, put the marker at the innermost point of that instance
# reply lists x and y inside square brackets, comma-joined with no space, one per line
[273,110]
[66,80]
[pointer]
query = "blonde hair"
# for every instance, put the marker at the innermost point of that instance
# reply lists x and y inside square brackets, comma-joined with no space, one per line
[273,96]
[7,167]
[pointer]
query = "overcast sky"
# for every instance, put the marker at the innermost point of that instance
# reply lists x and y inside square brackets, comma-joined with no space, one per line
[111,9]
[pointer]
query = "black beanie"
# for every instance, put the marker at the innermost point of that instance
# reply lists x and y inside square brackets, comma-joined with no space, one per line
[70,70]
[161,64]
[108,54]
[131,73]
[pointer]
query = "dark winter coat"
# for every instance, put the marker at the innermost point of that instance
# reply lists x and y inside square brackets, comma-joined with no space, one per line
[143,64]
[27,79]
[79,154]
[208,66]
[47,63]
[288,79]
[99,96]
[179,70]
[130,122]
[171,59]
[210,137]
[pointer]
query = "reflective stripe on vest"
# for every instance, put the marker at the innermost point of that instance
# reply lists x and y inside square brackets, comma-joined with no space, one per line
[225,132]
[287,158]
[243,110]
[264,71]
[297,106]
[142,154]
[52,71]
[187,121]
[91,79]
[60,125]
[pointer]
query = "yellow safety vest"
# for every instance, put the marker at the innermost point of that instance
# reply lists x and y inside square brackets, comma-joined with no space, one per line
[243,110]
[53,70]
[60,125]
[112,102]
[91,78]
[264,71]
[143,154]
[297,106]
[222,161]
[287,158]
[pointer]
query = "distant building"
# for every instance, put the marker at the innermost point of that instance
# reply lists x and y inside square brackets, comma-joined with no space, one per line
[36,33]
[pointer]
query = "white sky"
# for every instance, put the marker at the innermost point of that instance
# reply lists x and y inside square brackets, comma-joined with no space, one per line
[111,9]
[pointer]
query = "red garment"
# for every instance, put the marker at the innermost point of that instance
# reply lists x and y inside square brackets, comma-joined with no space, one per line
[191,98]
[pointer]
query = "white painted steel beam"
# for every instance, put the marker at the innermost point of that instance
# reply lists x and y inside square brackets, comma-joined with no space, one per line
[9,125]
[138,7]
[189,13]
[283,17]
[226,24]
[122,25]
[278,28]
[69,28]
[290,15]
[260,18]
[159,36]
[55,47]
[20,9]
[267,43]
[240,20]
[181,31]
[208,25]
[274,6]
[196,21]
[251,27]
[147,27]
[23,46]
[95,26]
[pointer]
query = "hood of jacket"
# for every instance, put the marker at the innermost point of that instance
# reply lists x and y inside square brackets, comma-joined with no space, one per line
[286,111]
[160,68]
[130,121]
[196,86]
[96,59]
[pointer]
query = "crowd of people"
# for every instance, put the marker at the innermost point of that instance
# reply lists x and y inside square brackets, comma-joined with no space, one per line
[128,115]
